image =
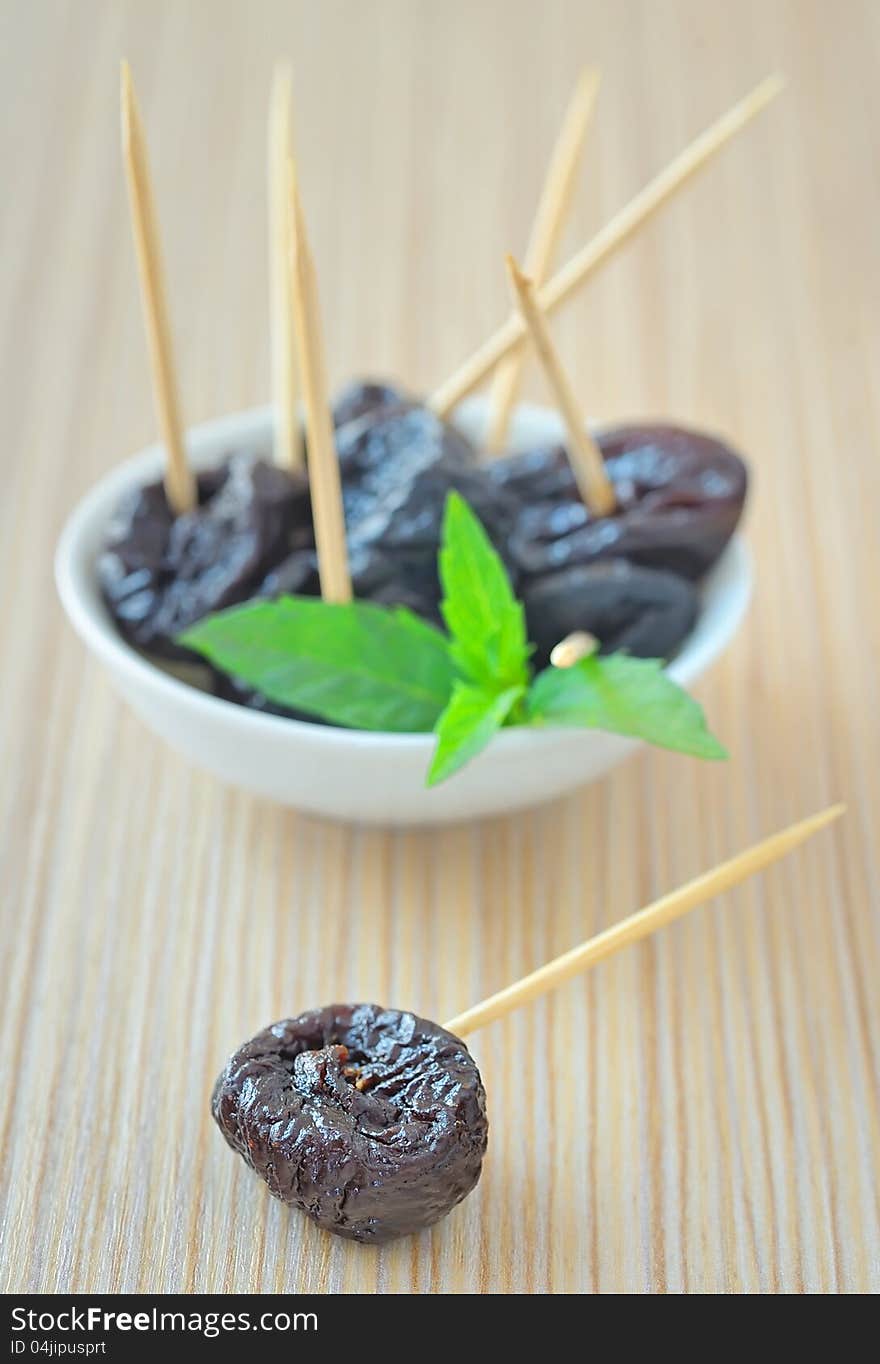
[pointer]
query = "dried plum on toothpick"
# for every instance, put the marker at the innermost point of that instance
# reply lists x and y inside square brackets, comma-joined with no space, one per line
[679,497]
[160,572]
[370,1120]
[373,1121]
[398,466]
[670,503]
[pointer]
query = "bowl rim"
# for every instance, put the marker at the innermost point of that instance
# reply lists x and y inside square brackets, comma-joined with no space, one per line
[86,611]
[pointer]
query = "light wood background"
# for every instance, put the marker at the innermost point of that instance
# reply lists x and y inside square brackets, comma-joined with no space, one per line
[701,1113]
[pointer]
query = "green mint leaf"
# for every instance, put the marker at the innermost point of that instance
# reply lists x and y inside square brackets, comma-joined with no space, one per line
[472,717]
[486,622]
[358,664]
[624,695]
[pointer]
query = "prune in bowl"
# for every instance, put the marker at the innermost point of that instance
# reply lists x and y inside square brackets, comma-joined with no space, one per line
[363,396]
[642,611]
[159,573]
[382,457]
[371,1121]
[398,465]
[680,495]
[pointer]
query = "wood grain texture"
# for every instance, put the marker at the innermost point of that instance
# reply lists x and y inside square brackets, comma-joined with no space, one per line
[723,1132]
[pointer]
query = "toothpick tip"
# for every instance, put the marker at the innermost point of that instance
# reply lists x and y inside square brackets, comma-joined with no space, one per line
[588,82]
[281,101]
[824,817]
[769,88]
[805,828]
[128,105]
[516,275]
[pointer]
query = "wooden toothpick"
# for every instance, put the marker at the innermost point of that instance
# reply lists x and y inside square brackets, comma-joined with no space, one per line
[180,484]
[285,394]
[552,212]
[324,481]
[569,651]
[640,925]
[584,454]
[511,335]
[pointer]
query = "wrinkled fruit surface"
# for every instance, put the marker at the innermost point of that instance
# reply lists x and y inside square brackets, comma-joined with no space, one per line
[398,461]
[160,574]
[370,1163]
[627,578]
[680,496]
[398,465]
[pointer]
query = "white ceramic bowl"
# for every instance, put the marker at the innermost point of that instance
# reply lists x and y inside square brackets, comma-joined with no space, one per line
[340,773]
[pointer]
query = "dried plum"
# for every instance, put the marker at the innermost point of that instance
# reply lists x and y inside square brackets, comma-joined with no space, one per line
[645,611]
[680,496]
[295,576]
[364,396]
[371,1121]
[160,573]
[422,598]
[383,455]
[397,469]
[252,535]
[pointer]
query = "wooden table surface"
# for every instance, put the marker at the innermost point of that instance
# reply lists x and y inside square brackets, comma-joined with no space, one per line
[700,1114]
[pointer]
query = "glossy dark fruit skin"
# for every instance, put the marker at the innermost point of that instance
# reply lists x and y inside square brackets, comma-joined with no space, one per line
[369,1165]
[680,497]
[296,575]
[397,468]
[252,533]
[159,574]
[364,396]
[643,611]
[383,457]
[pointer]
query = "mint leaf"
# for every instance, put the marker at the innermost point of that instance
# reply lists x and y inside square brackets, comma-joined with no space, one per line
[484,618]
[624,695]
[358,664]
[472,717]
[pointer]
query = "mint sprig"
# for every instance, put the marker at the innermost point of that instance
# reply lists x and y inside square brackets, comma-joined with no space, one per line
[623,695]
[359,664]
[486,623]
[383,668]
[474,715]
